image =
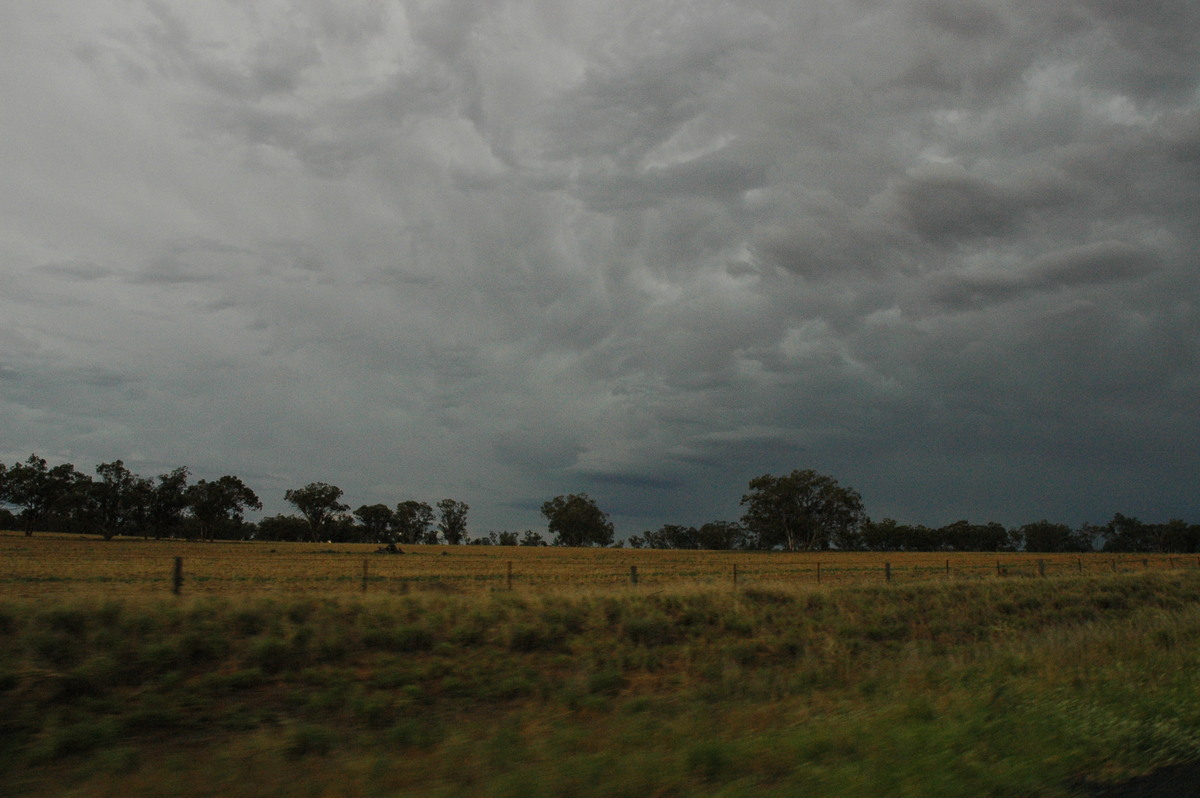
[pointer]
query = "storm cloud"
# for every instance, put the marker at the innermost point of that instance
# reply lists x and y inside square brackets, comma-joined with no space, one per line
[497,251]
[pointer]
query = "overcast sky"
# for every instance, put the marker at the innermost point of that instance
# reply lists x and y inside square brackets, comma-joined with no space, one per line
[944,251]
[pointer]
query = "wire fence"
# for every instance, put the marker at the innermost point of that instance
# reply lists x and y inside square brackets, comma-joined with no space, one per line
[62,564]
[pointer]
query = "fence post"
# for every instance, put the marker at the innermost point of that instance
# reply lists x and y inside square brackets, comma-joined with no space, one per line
[818,573]
[510,574]
[997,567]
[633,574]
[1145,564]
[1041,568]
[735,576]
[947,567]
[887,571]
[177,581]
[365,566]
[1080,561]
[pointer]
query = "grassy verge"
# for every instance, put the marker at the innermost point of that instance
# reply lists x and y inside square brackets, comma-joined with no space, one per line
[1012,687]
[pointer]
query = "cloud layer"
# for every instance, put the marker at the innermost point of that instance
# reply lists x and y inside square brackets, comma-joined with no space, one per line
[498,251]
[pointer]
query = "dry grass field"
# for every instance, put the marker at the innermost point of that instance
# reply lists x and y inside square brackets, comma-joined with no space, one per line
[274,674]
[64,564]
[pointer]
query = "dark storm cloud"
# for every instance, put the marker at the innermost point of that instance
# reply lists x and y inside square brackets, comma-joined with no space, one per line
[945,251]
[1090,264]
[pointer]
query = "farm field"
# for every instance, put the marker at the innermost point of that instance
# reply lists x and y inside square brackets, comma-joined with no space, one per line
[51,564]
[277,675]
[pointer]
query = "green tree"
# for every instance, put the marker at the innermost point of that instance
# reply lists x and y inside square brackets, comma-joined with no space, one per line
[413,523]
[168,501]
[378,522]
[221,504]
[47,497]
[1044,536]
[319,503]
[531,538]
[576,520]
[122,500]
[671,536]
[721,536]
[452,521]
[289,528]
[803,510]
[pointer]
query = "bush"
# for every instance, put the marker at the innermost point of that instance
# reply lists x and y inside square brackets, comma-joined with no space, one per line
[649,630]
[308,740]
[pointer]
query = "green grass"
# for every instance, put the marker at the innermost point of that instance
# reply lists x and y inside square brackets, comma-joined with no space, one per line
[1006,688]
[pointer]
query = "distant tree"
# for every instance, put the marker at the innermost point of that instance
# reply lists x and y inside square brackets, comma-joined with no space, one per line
[378,522]
[803,510]
[576,520]
[721,536]
[414,523]
[219,506]
[965,536]
[636,541]
[504,538]
[122,500]
[282,528]
[1128,534]
[531,538]
[168,501]
[885,535]
[1043,536]
[1179,536]
[452,520]
[46,496]
[319,503]
[671,536]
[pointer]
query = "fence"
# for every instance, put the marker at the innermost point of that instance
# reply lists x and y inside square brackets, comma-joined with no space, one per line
[817,573]
[49,564]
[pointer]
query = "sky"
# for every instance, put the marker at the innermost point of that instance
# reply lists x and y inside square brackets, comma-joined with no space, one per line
[944,251]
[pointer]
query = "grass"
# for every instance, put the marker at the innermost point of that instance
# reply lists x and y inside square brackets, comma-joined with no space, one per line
[77,565]
[1002,687]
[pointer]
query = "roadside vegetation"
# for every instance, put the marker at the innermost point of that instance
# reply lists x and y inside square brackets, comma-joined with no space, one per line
[1005,687]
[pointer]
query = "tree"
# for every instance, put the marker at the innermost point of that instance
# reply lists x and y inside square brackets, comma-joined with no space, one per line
[576,520]
[1128,534]
[289,528]
[803,510]
[721,536]
[220,504]
[452,522]
[413,522]
[1043,536]
[122,500]
[45,495]
[168,501]
[671,536]
[531,538]
[318,503]
[378,522]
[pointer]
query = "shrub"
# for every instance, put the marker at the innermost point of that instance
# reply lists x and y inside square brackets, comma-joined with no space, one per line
[308,740]
[654,629]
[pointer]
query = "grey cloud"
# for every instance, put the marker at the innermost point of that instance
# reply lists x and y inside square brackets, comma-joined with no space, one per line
[80,271]
[966,19]
[945,204]
[1091,264]
[1158,45]
[717,178]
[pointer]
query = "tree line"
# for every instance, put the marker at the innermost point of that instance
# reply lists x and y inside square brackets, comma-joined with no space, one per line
[800,511]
